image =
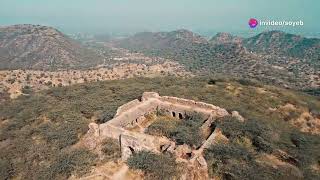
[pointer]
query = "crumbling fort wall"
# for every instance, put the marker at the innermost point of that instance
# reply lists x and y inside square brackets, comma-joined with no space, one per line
[129,114]
[132,114]
[134,142]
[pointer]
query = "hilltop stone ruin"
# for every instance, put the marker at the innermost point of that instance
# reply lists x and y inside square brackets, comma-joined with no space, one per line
[129,124]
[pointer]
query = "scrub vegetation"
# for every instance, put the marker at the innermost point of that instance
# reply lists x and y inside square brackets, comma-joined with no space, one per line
[39,130]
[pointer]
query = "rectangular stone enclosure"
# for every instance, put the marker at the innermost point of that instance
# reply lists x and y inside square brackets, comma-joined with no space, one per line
[133,114]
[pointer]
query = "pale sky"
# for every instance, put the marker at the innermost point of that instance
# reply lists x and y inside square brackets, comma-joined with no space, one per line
[157,15]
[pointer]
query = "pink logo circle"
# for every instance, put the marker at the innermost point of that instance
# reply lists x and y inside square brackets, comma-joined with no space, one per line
[253,23]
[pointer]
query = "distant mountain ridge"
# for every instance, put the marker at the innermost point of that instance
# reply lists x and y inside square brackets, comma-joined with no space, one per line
[284,44]
[275,57]
[221,38]
[41,47]
[163,40]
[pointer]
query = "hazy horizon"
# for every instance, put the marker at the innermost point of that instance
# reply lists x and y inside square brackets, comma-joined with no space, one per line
[124,16]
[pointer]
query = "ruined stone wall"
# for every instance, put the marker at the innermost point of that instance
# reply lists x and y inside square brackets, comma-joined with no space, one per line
[133,113]
[127,106]
[129,114]
[179,107]
[110,131]
[131,142]
[186,105]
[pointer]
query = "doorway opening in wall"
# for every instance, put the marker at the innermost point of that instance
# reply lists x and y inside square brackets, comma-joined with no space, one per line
[189,155]
[213,127]
[131,149]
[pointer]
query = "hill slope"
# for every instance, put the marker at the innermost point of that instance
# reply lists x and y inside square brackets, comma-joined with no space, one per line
[184,46]
[284,44]
[159,43]
[281,61]
[41,47]
[40,133]
[222,38]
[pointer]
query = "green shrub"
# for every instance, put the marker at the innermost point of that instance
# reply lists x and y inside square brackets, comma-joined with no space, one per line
[236,159]
[11,81]
[111,148]
[160,112]
[6,169]
[28,78]
[179,130]
[212,82]
[182,135]
[262,144]
[26,90]
[313,92]
[103,117]
[228,151]
[221,159]
[217,79]
[156,166]
[64,134]
[231,161]
[161,127]
[249,82]
[257,131]
[306,148]
[49,83]
[76,161]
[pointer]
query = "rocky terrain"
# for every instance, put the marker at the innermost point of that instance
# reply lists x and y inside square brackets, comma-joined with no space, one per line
[271,57]
[41,47]
[17,82]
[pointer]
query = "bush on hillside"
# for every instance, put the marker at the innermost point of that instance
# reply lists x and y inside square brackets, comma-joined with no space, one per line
[26,90]
[257,131]
[111,148]
[6,169]
[76,161]
[251,139]
[156,166]
[249,82]
[179,130]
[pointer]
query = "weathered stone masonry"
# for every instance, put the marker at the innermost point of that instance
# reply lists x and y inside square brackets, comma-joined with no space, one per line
[133,114]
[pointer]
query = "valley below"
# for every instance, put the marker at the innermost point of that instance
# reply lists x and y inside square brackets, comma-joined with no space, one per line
[17,82]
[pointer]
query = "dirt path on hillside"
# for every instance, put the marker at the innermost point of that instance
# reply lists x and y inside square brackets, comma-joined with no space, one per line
[121,174]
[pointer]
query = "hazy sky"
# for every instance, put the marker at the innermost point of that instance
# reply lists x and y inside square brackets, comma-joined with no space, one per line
[139,15]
